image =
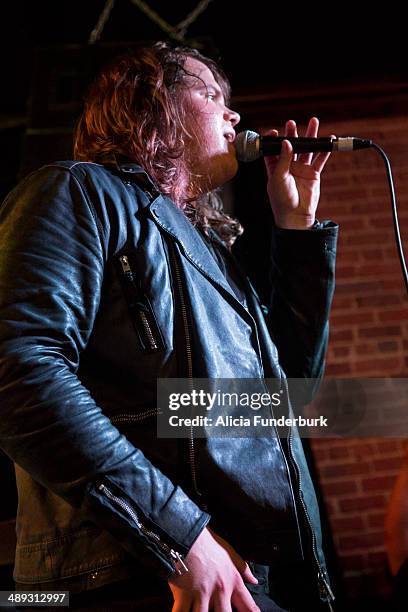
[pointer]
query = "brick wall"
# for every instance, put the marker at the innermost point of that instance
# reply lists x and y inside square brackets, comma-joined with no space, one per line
[369,338]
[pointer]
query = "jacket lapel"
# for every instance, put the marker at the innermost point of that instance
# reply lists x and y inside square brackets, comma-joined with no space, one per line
[173,221]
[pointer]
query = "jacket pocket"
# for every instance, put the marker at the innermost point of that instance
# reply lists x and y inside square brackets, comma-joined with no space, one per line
[140,310]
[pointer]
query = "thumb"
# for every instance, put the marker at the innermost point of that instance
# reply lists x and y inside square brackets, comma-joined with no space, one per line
[248,576]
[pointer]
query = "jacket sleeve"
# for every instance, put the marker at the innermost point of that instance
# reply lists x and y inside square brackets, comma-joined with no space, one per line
[302,286]
[51,273]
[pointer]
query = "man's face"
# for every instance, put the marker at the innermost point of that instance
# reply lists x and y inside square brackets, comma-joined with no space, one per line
[211,152]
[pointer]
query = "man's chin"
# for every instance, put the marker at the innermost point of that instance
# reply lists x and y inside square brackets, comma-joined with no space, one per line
[226,173]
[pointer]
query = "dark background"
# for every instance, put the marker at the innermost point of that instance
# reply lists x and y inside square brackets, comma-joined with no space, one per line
[260,43]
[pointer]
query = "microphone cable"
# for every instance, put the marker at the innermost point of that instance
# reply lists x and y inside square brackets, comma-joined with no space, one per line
[394,212]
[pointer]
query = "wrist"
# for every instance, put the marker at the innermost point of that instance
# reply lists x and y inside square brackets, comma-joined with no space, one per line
[300,222]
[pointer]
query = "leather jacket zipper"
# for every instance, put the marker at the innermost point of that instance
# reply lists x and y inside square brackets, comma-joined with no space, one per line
[130,417]
[142,314]
[191,450]
[175,557]
[323,584]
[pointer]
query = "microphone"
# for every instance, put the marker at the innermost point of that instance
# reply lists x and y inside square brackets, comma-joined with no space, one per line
[250,145]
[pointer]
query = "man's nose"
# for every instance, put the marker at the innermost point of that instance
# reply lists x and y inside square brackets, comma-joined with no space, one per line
[232,116]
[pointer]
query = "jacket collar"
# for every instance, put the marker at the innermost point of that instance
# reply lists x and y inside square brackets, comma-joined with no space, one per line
[173,221]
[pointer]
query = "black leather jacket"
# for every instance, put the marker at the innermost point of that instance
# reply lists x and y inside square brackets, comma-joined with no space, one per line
[79,361]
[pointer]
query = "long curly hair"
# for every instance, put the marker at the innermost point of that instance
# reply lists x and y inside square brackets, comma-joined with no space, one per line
[135,109]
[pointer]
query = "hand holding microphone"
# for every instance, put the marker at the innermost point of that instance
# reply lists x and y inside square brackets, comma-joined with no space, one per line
[293,181]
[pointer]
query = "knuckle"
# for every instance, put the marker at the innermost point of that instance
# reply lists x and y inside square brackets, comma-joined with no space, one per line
[221,586]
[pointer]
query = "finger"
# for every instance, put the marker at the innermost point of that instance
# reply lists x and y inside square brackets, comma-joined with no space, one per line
[241,565]
[311,132]
[203,605]
[271,132]
[271,160]
[320,160]
[222,604]
[247,575]
[285,159]
[291,129]
[312,128]
[182,604]
[181,607]
[291,132]
[242,600]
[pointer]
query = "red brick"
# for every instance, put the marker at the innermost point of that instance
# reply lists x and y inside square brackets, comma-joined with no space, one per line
[349,195]
[331,507]
[393,315]
[345,469]
[359,504]
[348,255]
[370,254]
[377,269]
[352,562]
[361,584]
[390,251]
[343,304]
[340,210]
[379,332]
[368,280]
[355,239]
[350,319]
[363,450]
[390,464]
[354,523]
[377,559]
[364,349]
[339,452]
[388,347]
[346,272]
[342,335]
[341,351]
[361,541]
[378,300]
[389,284]
[365,209]
[378,483]
[338,369]
[376,521]
[377,366]
[389,446]
[339,488]
[354,288]
[320,454]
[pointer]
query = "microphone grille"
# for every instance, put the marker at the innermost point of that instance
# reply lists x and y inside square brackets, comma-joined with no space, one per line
[247,146]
